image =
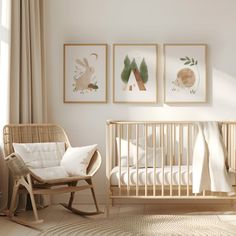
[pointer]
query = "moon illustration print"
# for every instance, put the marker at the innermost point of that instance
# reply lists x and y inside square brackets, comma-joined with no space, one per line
[85,73]
[185,73]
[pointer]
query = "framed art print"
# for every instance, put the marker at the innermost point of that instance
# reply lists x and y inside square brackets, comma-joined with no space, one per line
[85,72]
[134,73]
[185,73]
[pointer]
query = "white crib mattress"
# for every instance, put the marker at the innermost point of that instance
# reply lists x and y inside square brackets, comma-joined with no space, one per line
[150,175]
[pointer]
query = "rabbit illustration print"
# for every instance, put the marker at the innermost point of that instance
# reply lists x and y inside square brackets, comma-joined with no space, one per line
[85,72]
[84,77]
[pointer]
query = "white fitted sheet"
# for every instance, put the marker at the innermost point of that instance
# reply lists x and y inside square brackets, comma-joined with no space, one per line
[150,173]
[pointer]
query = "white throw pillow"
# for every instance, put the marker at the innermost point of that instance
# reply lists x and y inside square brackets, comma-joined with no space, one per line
[76,159]
[142,140]
[141,153]
[150,159]
[40,155]
[124,152]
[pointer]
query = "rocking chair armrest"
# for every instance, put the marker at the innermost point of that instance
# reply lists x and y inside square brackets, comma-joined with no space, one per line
[16,165]
[94,164]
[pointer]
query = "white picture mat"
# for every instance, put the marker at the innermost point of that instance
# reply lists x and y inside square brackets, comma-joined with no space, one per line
[73,52]
[149,52]
[173,64]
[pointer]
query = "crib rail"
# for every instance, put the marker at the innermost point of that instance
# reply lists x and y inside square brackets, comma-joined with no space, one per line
[153,159]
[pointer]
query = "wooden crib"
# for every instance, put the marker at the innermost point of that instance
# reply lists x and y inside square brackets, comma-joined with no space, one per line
[152,160]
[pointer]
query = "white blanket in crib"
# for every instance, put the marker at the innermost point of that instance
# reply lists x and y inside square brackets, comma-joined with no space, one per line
[209,154]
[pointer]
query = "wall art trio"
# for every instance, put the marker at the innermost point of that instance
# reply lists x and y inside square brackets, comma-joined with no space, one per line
[135,73]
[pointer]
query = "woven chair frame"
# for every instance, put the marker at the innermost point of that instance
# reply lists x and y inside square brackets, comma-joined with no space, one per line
[39,133]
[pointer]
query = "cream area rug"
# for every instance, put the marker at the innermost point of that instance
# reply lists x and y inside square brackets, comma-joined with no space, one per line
[146,225]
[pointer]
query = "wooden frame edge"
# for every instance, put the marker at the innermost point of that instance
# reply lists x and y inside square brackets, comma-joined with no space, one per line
[106,73]
[156,45]
[206,74]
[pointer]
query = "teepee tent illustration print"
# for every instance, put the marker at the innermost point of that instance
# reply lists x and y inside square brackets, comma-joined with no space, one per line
[140,73]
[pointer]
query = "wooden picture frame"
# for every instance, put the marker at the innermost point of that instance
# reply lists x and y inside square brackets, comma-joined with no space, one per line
[139,84]
[185,73]
[85,73]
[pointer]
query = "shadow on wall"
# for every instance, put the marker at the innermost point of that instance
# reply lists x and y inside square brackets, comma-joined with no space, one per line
[222,104]
[224,91]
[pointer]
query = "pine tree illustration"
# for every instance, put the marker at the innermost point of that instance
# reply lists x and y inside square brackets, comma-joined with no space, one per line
[143,71]
[126,71]
[133,65]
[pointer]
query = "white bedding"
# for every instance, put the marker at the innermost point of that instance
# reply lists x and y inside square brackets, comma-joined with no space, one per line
[167,176]
[142,175]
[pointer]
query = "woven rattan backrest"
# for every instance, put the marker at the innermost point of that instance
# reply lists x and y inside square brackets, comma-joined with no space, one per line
[32,133]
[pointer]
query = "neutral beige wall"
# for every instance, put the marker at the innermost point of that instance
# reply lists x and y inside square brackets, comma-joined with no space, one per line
[140,21]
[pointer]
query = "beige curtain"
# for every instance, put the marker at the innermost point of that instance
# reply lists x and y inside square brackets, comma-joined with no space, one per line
[27,78]
[5,29]
[27,75]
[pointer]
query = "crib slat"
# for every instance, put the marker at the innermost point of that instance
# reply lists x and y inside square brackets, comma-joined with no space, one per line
[229,144]
[146,164]
[171,167]
[188,155]
[119,156]
[232,145]
[174,144]
[137,158]
[180,156]
[162,160]
[108,166]
[154,158]
[128,158]
[167,144]
[224,133]
[233,157]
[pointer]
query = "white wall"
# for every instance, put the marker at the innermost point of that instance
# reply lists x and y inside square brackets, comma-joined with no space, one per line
[140,21]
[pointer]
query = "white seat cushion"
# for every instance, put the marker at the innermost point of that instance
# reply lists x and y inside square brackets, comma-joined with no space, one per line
[40,155]
[50,173]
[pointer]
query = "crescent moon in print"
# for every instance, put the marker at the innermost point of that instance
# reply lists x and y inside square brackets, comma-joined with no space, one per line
[94,54]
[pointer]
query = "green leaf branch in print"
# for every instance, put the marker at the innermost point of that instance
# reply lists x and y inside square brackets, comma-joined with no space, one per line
[140,73]
[186,77]
[84,76]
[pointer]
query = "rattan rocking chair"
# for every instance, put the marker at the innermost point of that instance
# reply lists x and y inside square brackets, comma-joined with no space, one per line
[27,180]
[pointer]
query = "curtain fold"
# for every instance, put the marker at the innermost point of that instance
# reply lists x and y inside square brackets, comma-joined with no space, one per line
[27,76]
[5,31]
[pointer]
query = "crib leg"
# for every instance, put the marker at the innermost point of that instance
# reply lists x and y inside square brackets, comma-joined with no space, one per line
[232,203]
[108,205]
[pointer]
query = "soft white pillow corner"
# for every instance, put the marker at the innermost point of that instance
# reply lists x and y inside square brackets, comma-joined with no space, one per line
[76,159]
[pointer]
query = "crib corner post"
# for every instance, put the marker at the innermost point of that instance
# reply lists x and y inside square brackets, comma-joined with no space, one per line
[107,211]
[108,167]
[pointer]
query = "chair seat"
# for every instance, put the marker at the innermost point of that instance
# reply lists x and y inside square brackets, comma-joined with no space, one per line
[54,175]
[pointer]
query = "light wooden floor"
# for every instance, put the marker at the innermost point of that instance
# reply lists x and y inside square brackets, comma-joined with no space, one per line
[56,215]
